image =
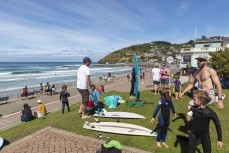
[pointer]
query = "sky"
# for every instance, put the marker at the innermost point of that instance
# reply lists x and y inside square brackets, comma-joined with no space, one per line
[69,30]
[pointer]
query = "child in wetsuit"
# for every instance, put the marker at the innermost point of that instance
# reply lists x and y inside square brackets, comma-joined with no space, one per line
[201,115]
[165,104]
[64,94]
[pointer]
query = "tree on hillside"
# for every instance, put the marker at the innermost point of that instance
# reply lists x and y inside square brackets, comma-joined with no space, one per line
[220,61]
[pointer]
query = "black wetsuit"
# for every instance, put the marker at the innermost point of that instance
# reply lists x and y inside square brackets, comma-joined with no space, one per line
[200,128]
[132,82]
[64,98]
[164,118]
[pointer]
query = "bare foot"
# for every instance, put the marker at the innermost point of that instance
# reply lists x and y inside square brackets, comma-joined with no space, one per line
[164,144]
[158,144]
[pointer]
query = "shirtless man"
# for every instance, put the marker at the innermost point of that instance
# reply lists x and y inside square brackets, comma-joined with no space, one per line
[206,78]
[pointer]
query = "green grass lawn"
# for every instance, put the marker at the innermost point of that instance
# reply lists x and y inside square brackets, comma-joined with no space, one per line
[72,122]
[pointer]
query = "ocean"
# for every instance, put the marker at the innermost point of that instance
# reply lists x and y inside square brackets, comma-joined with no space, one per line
[15,75]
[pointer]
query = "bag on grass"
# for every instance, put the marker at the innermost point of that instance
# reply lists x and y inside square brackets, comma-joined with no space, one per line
[111,147]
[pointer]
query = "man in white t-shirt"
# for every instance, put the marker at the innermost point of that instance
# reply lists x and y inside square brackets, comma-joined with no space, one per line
[83,82]
[156,77]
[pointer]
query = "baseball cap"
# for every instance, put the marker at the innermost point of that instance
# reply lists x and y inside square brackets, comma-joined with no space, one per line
[202,56]
[39,101]
[86,59]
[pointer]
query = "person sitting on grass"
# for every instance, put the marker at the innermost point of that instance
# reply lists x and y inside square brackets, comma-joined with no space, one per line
[95,98]
[41,110]
[165,104]
[102,89]
[26,113]
[64,94]
[201,115]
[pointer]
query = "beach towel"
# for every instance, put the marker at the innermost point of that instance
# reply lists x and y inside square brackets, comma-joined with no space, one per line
[111,101]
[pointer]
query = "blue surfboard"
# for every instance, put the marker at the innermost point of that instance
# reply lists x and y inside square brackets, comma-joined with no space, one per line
[136,75]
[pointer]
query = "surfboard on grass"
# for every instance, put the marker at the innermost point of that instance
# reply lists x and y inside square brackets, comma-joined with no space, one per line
[1,142]
[119,128]
[120,115]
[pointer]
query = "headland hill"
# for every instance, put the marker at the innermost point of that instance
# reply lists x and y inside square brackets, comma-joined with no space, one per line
[149,53]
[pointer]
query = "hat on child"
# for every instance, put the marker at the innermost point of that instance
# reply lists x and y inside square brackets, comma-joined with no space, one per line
[39,101]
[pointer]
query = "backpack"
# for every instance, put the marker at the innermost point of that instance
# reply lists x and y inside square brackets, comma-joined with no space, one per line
[111,147]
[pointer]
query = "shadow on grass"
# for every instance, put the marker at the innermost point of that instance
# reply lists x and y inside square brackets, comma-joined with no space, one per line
[183,128]
[183,142]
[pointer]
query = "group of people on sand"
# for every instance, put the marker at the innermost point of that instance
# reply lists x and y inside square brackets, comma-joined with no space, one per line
[198,110]
[47,89]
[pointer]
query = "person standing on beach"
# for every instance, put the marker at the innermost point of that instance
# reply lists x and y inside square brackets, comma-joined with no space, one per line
[83,82]
[41,89]
[156,78]
[206,78]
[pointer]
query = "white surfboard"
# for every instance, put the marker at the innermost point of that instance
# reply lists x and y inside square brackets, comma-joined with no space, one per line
[120,115]
[119,128]
[1,142]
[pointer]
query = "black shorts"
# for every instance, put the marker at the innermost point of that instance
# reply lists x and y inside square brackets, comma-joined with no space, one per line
[156,82]
[85,95]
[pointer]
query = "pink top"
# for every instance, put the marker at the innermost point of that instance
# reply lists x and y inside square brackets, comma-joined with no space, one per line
[164,76]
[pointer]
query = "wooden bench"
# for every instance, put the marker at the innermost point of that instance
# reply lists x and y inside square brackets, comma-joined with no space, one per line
[4,99]
[30,95]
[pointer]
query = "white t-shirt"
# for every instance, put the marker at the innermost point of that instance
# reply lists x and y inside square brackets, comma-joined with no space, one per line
[83,71]
[156,74]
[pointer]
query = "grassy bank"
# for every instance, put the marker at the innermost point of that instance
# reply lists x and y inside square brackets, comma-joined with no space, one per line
[72,122]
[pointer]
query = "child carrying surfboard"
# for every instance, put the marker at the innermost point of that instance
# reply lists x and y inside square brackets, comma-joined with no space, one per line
[165,104]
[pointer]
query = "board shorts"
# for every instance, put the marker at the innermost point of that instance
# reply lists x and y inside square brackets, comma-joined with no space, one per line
[85,95]
[211,93]
[156,82]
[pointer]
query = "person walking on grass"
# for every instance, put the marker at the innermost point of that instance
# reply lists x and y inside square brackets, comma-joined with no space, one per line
[64,94]
[83,82]
[207,78]
[156,78]
[201,114]
[165,104]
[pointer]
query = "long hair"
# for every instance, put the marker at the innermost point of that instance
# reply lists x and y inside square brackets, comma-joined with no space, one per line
[165,94]
[26,106]
[203,96]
